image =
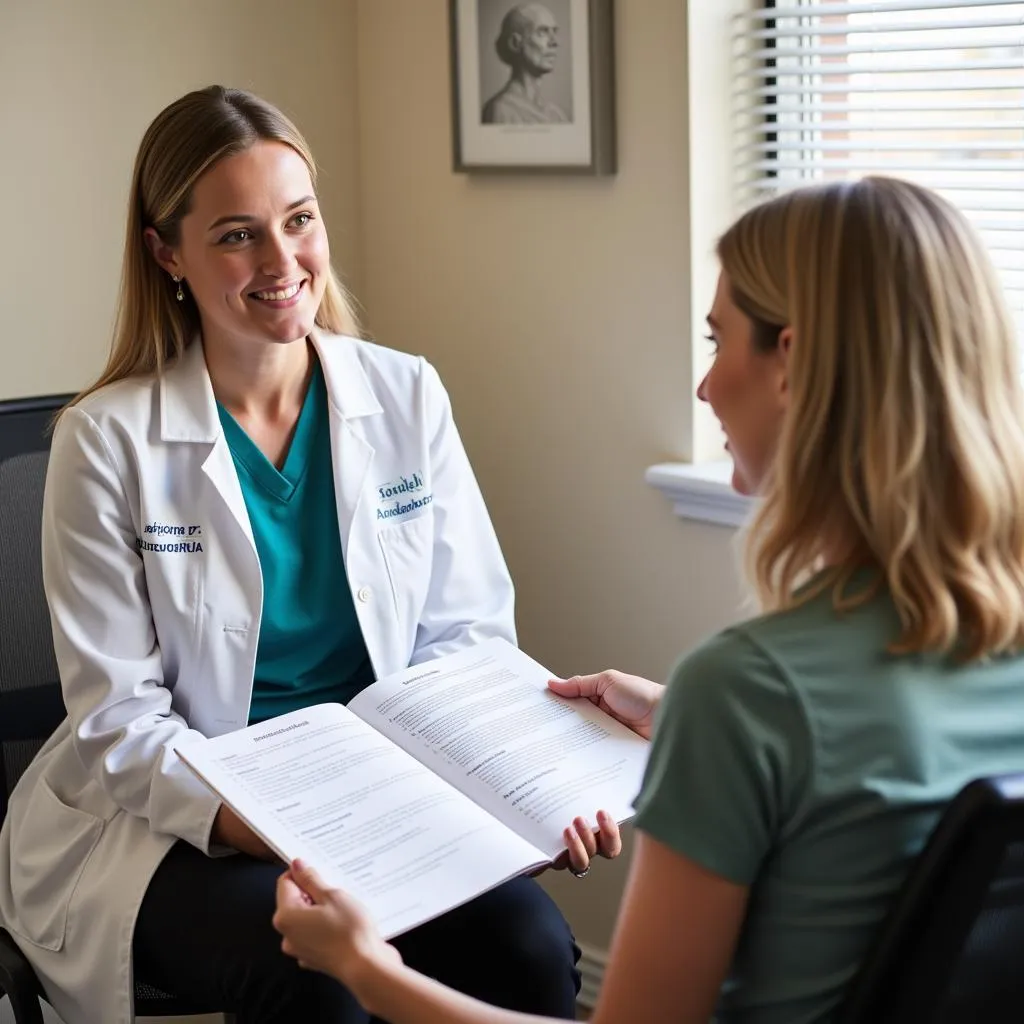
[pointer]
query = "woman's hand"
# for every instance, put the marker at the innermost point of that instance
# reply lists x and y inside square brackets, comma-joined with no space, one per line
[632,700]
[326,930]
[583,843]
[230,830]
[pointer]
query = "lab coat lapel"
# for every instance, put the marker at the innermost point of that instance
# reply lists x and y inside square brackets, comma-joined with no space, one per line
[350,397]
[219,467]
[352,457]
[188,413]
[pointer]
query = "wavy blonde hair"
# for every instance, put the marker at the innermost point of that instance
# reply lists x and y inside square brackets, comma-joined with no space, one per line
[184,141]
[904,436]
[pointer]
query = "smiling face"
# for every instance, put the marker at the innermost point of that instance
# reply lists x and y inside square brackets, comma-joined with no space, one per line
[746,389]
[253,249]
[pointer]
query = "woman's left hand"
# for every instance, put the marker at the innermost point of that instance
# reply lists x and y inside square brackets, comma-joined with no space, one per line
[326,930]
[583,842]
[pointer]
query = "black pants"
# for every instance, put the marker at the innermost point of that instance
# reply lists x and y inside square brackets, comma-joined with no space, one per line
[204,934]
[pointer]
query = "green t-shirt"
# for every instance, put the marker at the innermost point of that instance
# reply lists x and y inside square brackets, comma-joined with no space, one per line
[311,648]
[794,755]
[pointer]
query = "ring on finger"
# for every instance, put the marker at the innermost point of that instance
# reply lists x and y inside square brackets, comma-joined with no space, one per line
[580,874]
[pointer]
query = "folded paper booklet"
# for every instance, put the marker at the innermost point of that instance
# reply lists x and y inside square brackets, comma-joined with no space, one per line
[432,786]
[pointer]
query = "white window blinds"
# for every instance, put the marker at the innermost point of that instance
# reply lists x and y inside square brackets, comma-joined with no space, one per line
[930,91]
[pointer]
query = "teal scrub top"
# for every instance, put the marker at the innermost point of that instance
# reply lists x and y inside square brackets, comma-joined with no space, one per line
[311,649]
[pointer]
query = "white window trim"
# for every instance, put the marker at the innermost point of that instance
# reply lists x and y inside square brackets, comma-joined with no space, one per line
[699,489]
[701,492]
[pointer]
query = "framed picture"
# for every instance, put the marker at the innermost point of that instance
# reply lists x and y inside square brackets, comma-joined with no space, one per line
[533,85]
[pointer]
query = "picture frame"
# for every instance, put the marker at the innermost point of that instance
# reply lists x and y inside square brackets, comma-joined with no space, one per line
[533,86]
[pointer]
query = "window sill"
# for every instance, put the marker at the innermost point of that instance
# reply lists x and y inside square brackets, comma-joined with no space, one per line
[701,492]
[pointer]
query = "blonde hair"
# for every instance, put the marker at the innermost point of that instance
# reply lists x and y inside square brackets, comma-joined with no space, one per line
[904,434]
[184,141]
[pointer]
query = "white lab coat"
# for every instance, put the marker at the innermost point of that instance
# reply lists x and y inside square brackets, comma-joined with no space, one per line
[155,595]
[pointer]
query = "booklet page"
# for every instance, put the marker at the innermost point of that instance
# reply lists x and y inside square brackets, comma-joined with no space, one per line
[484,719]
[322,785]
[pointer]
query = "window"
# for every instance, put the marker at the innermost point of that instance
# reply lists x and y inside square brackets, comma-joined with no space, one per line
[930,91]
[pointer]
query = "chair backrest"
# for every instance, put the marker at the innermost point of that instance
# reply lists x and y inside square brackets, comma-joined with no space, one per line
[952,947]
[30,699]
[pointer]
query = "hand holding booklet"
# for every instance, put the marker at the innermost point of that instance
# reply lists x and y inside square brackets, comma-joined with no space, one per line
[432,786]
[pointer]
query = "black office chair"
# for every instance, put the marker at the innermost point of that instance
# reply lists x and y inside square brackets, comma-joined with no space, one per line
[31,706]
[952,948]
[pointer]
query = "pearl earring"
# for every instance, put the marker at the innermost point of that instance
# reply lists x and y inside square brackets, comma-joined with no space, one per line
[180,295]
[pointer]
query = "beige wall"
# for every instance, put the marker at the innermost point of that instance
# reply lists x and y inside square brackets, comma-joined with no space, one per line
[558,313]
[79,82]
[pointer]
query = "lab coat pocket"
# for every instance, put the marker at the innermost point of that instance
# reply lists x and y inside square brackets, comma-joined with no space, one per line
[49,852]
[408,549]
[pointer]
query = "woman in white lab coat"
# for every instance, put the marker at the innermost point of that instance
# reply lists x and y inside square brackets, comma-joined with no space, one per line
[251,511]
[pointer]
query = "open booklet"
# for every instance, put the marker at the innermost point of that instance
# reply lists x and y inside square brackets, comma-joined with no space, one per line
[432,786]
